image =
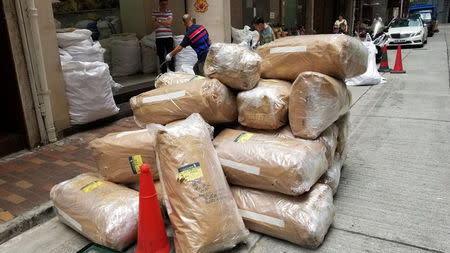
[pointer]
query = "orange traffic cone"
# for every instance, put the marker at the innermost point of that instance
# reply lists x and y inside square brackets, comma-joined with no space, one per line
[384,65]
[152,236]
[398,68]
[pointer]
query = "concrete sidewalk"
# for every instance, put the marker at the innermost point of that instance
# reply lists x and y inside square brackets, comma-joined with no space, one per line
[395,184]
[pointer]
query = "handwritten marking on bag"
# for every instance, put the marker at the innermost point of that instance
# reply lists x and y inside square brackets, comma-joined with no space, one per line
[190,172]
[91,186]
[296,49]
[164,97]
[243,137]
[135,163]
[262,218]
[240,166]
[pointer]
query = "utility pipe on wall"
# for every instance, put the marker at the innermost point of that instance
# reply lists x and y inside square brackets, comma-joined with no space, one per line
[43,91]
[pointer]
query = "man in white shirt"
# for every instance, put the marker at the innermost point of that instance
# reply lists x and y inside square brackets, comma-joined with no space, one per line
[162,21]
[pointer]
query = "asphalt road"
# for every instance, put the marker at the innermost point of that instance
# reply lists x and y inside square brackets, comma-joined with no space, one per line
[394,194]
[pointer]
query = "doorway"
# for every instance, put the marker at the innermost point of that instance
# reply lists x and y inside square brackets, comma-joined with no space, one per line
[12,130]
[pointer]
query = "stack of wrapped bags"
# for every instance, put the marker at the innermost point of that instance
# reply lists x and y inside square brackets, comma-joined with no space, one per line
[274,173]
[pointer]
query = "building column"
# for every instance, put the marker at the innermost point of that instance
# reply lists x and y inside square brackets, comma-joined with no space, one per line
[309,25]
[216,18]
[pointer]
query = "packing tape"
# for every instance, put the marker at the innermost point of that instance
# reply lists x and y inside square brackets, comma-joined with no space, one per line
[69,219]
[240,166]
[296,49]
[163,97]
[262,218]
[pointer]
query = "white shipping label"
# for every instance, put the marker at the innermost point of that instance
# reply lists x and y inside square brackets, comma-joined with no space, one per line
[297,49]
[163,97]
[69,219]
[240,166]
[262,218]
[130,132]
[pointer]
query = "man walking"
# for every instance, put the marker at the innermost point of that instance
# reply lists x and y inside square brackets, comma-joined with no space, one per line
[198,38]
[162,20]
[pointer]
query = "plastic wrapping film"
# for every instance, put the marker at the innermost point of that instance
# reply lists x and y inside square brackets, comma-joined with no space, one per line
[173,78]
[113,153]
[285,165]
[371,76]
[186,58]
[201,208]
[266,106]
[336,55]
[245,36]
[88,90]
[234,65]
[333,174]
[102,211]
[302,220]
[316,101]
[343,124]
[209,97]
[73,37]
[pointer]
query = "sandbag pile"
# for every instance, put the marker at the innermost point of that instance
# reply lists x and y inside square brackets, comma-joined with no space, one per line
[283,163]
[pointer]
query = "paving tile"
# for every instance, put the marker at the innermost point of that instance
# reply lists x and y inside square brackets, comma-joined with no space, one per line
[85,166]
[14,198]
[61,163]
[6,216]
[24,184]
[36,160]
[2,181]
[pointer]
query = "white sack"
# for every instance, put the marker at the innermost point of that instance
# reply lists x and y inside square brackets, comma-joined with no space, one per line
[244,37]
[64,55]
[66,39]
[88,90]
[125,55]
[148,53]
[86,53]
[371,76]
[186,59]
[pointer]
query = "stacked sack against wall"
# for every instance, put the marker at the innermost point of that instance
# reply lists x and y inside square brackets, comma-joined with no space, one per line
[283,161]
[89,85]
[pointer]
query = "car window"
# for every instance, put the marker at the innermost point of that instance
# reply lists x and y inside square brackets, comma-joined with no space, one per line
[405,22]
[425,15]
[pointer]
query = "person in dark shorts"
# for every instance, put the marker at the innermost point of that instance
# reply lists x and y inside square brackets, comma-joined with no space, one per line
[162,20]
[198,38]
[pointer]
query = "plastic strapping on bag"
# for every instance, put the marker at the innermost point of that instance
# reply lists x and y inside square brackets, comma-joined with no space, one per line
[277,50]
[168,96]
[240,166]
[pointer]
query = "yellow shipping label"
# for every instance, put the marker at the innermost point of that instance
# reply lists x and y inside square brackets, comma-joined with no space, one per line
[91,186]
[243,137]
[190,172]
[135,163]
[271,80]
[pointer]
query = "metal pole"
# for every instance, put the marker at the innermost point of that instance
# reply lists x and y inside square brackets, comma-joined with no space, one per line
[401,9]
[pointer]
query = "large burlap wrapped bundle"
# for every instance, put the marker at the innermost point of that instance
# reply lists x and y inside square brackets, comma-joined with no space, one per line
[234,65]
[209,97]
[289,166]
[113,153]
[336,55]
[301,220]
[172,78]
[201,208]
[266,106]
[104,212]
[316,101]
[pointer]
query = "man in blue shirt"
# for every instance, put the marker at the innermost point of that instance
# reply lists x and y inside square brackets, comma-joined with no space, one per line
[198,38]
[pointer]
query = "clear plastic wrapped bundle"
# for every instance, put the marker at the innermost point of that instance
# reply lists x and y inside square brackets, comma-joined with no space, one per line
[302,220]
[102,211]
[209,97]
[336,55]
[285,165]
[114,151]
[266,106]
[333,175]
[316,102]
[173,78]
[198,199]
[235,66]
[343,124]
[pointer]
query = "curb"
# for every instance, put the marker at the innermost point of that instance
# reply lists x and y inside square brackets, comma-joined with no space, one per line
[27,220]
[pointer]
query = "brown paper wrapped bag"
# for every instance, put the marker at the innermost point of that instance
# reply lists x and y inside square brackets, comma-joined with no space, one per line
[338,55]
[266,106]
[102,211]
[285,165]
[302,220]
[172,78]
[235,66]
[209,97]
[316,102]
[201,208]
[114,150]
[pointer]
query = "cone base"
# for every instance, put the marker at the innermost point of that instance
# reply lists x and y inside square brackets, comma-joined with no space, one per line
[398,72]
[384,70]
